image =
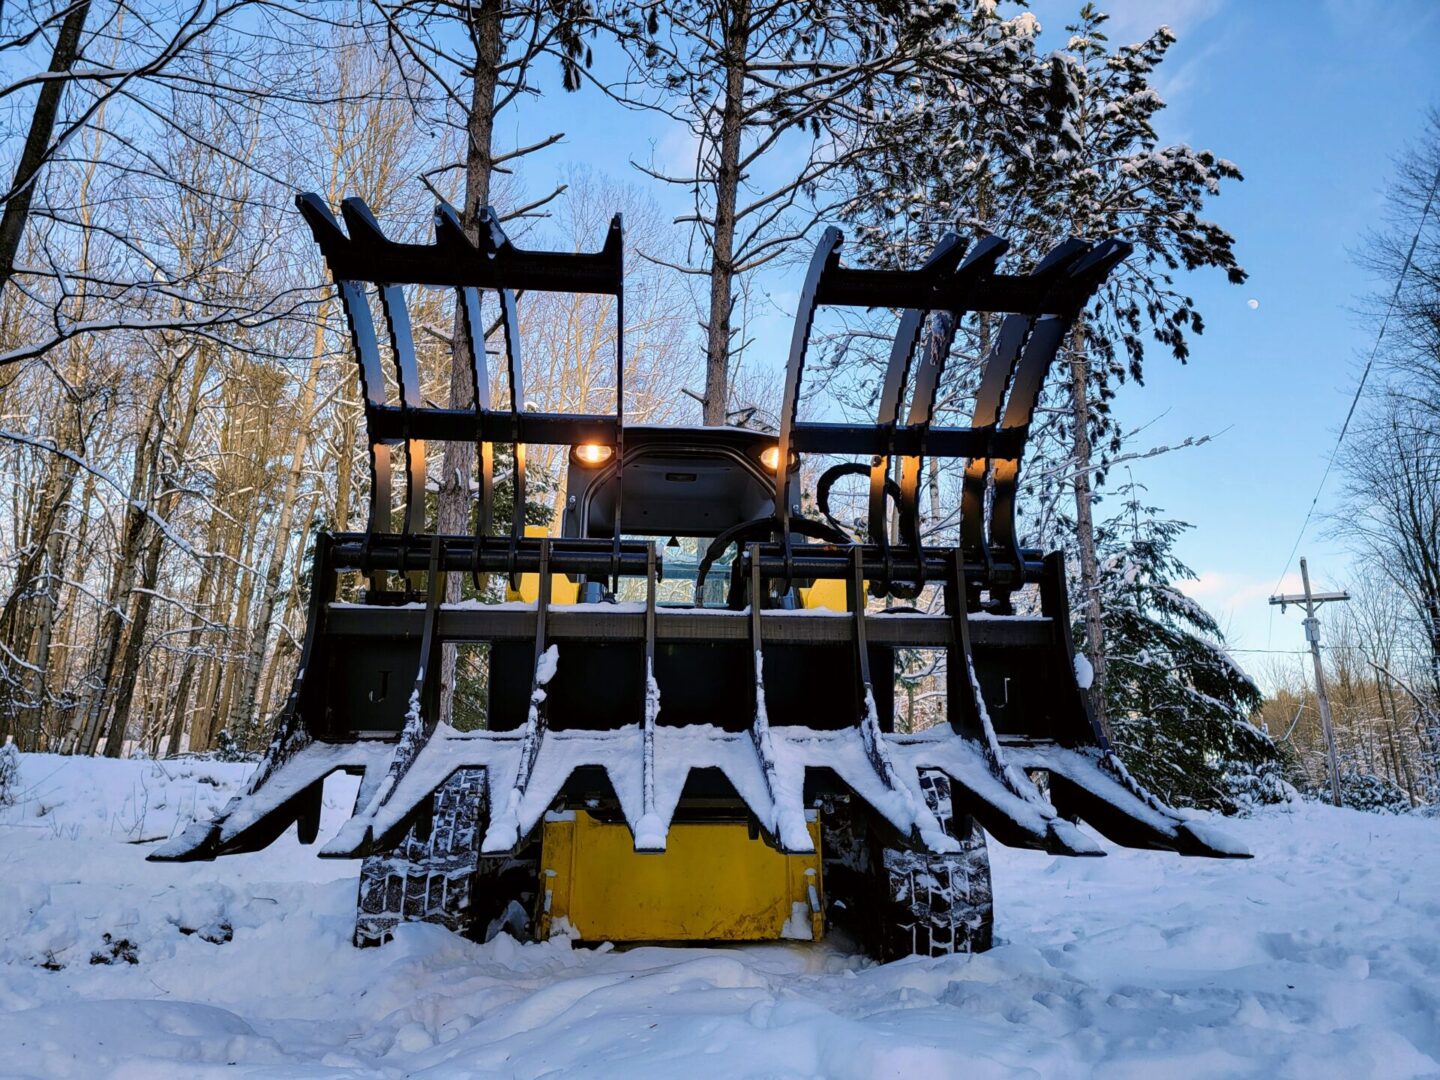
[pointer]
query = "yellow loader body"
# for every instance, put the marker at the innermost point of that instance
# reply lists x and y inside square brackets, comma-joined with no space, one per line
[713,882]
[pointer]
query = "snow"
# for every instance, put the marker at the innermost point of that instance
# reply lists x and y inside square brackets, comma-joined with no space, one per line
[1084,671]
[650,833]
[1316,958]
[549,662]
[797,927]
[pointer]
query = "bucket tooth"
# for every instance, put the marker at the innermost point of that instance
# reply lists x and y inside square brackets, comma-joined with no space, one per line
[1012,820]
[279,796]
[1093,785]
[197,843]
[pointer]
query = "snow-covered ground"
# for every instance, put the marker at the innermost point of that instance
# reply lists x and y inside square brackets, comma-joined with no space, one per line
[1321,957]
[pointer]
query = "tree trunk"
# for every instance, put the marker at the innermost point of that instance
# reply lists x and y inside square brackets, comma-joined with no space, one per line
[37,142]
[32,720]
[270,589]
[722,247]
[134,642]
[344,470]
[207,719]
[1089,598]
[122,582]
[195,637]
[458,458]
[75,566]
[25,632]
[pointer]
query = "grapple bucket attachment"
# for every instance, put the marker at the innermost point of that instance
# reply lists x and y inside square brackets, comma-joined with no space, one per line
[648,710]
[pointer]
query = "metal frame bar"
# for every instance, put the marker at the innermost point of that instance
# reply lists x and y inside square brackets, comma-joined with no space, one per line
[760,736]
[652,697]
[1058,287]
[490,261]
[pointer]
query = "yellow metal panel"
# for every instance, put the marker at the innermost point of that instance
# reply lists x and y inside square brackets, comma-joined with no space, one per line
[562,589]
[828,593]
[712,883]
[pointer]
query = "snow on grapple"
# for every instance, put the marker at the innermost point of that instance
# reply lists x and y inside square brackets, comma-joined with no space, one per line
[725,768]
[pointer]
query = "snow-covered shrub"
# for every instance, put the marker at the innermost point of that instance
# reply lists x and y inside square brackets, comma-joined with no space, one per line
[229,748]
[1250,785]
[9,773]
[1373,794]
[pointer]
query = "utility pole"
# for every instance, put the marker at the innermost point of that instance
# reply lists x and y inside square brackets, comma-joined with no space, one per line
[1312,601]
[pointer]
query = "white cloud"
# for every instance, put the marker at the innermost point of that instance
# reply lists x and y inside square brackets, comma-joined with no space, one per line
[1224,592]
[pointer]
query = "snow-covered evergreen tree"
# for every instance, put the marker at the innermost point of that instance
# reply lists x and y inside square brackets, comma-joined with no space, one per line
[9,773]
[1373,794]
[1179,705]
[1072,151]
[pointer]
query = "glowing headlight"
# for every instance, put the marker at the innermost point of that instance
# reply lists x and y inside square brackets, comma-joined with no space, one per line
[592,454]
[770,458]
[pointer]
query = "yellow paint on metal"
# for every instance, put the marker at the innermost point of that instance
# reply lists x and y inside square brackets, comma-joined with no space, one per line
[562,589]
[828,593]
[712,883]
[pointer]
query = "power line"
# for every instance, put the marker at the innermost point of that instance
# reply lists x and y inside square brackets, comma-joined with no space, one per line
[1364,375]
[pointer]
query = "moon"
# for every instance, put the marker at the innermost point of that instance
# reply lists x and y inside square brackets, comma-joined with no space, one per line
[1252,304]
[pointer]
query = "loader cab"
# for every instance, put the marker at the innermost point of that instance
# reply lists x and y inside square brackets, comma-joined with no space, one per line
[677,482]
[684,486]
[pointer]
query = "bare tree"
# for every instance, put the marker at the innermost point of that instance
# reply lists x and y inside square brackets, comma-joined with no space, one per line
[1391,507]
[776,97]
[1404,255]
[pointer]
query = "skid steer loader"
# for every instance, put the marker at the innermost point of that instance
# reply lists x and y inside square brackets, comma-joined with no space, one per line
[695,748]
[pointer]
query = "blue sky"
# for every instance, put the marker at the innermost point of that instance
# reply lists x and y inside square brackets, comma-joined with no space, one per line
[1312,99]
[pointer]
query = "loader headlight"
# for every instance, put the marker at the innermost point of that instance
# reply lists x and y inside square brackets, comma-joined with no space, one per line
[770,458]
[592,454]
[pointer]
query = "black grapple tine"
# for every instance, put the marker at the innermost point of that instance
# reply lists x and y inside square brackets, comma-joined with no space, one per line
[329,237]
[989,401]
[782,824]
[497,246]
[1040,349]
[826,256]
[615,246]
[650,835]
[510,328]
[450,237]
[943,259]
[407,378]
[366,234]
[358,836]
[969,719]
[450,232]
[970,276]
[473,329]
[977,268]
[335,246]
[504,831]
[372,384]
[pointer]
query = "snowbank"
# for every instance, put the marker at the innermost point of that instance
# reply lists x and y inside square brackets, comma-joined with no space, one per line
[1319,957]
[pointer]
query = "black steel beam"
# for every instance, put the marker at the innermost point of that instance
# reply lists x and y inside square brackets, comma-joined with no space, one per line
[388,551]
[390,422]
[594,558]
[828,563]
[821,438]
[600,622]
